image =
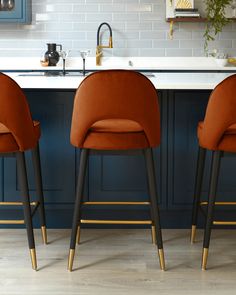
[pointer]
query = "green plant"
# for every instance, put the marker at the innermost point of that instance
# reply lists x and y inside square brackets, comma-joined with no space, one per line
[216,19]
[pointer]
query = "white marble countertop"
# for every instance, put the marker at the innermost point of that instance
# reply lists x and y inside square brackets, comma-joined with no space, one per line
[199,77]
[160,80]
[135,63]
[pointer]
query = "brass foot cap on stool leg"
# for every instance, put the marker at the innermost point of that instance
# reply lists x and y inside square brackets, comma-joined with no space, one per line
[204,258]
[78,235]
[154,240]
[162,259]
[193,234]
[71,259]
[33,259]
[44,234]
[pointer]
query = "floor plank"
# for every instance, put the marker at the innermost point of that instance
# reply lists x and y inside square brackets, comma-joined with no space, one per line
[112,262]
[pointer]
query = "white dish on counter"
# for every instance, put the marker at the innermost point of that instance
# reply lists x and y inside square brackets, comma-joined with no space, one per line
[221,61]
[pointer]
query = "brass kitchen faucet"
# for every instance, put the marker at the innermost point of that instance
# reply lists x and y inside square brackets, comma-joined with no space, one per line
[99,47]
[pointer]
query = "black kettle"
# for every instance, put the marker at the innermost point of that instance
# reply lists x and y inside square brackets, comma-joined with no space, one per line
[52,55]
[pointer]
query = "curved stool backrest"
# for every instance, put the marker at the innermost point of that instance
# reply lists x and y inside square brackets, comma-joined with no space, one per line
[116,94]
[220,113]
[15,113]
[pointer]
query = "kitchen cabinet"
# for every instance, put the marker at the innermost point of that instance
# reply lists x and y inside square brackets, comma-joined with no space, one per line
[119,178]
[16,11]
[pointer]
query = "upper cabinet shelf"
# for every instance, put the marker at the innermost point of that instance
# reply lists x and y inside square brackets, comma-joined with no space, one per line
[186,11]
[186,19]
[15,11]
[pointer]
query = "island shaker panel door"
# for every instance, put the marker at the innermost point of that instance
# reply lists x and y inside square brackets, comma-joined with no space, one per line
[186,109]
[53,110]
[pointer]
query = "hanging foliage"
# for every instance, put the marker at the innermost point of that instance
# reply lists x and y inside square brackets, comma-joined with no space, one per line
[216,19]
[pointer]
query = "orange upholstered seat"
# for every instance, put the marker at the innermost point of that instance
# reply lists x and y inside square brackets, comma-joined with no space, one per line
[115,110]
[218,131]
[227,142]
[115,134]
[15,116]
[7,141]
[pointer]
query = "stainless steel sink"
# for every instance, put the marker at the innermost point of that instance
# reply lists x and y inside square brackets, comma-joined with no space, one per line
[147,74]
[52,74]
[68,74]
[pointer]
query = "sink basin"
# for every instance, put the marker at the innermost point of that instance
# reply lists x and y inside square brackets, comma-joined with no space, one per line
[147,74]
[52,74]
[68,74]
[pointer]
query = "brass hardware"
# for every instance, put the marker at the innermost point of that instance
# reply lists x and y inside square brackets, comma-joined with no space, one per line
[17,203]
[78,235]
[12,221]
[71,259]
[115,221]
[162,259]
[98,56]
[33,259]
[224,222]
[116,203]
[204,258]
[193,234]
[154,240]
[44,234]
[99,47]
[220,203]
[171,31]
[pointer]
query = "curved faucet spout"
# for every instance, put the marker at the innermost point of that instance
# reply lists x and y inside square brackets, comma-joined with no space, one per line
[98,34]
[99,46]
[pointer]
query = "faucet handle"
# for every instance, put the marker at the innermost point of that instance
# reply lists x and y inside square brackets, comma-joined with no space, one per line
[110,42]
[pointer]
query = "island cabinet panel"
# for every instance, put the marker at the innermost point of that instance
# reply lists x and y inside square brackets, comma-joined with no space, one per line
[118,178]
[186,109]
[53,110]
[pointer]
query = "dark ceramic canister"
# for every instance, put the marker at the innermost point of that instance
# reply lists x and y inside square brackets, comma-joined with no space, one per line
[51,54]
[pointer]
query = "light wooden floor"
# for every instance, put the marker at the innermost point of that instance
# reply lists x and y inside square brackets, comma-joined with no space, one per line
[112,262]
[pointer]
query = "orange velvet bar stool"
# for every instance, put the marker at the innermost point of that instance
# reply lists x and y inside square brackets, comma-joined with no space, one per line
[116,110]
[217,133]
[18,133]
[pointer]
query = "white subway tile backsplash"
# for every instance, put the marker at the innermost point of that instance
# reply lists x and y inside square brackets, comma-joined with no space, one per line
[139,29]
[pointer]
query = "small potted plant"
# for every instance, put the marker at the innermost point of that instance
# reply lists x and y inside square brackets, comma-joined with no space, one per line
[216,19]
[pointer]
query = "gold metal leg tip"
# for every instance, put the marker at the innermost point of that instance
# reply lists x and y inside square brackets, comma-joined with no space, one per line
[71,259]
[154,240]
[44,234]
[33,259]
[193,234]
[78,235]
[162,259]
[204,258]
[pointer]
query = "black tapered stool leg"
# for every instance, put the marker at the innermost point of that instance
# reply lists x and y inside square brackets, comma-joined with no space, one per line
[211,204]
[154,203]
[78,201]
[22,175]
[153,228]
[197,190]
[39,190]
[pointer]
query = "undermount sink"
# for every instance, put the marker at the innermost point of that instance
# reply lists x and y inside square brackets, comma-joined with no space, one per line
[68,74]
[52,74]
